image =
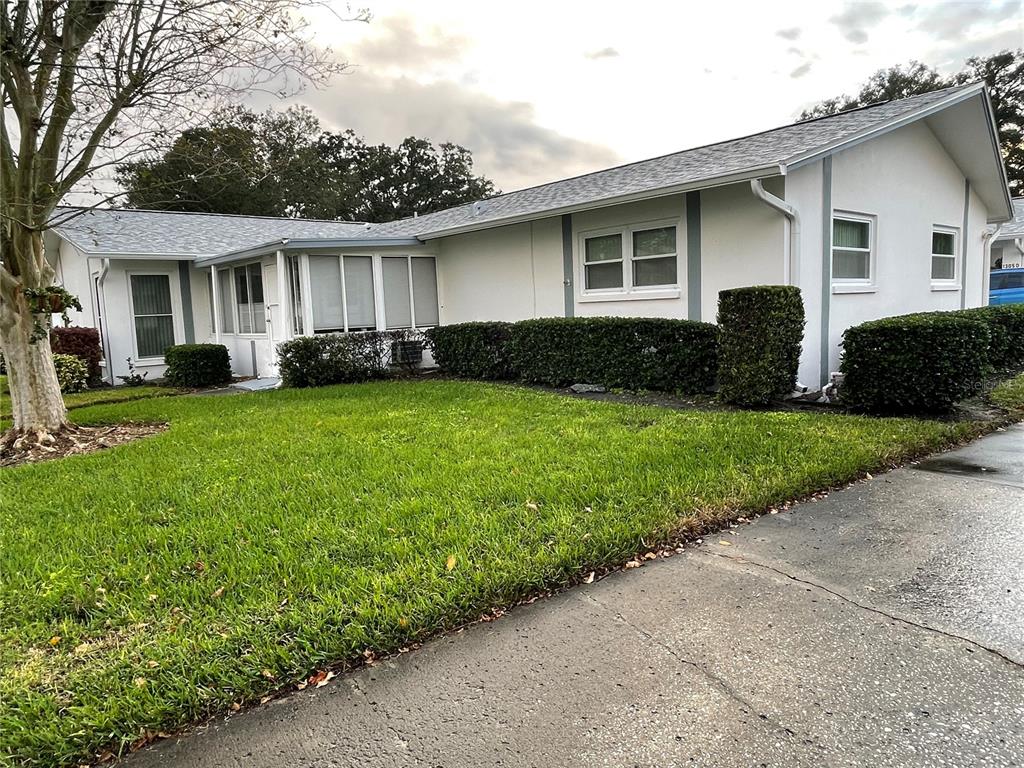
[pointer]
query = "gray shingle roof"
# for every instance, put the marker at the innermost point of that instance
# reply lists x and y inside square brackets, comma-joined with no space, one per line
[128,231]
[687,167]
[1015,228]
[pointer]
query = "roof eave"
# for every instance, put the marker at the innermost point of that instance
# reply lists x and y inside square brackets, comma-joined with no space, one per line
[805,158]
[773,169]
[287,244]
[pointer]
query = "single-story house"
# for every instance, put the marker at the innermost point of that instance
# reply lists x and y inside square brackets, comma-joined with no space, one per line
[1008,243]
[873,212]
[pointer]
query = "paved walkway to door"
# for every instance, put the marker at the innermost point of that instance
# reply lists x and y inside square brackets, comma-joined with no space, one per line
[882,626]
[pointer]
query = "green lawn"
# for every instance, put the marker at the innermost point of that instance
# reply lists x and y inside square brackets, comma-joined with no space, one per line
[266,535]
[90,397]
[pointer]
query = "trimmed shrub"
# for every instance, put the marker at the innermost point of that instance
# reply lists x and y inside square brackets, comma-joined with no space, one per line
[83,343]
[72,373]
[628,352]
[471,350]
[921,363]
[334,358]
[197,365]
[760,331]
[1005,323]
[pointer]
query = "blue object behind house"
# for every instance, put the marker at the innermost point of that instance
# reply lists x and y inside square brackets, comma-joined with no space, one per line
[1006,286]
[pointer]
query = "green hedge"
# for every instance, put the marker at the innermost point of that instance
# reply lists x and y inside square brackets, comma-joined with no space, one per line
[628,352]
[333,358]
[760,330]
[72,373]
[1005,323]
[472,350]
[197,365]
[921,363]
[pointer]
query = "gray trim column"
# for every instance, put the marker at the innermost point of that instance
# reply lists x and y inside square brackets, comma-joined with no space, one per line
[185,284]
[693,284]
[567,264]
[826,264]
[963,246]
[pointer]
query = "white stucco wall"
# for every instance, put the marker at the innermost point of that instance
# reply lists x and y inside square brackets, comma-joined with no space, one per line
[118,320]
[505,273]
[516,272]
[741,241]
[908,184]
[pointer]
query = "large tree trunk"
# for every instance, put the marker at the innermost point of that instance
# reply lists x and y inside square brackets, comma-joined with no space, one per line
[37,405]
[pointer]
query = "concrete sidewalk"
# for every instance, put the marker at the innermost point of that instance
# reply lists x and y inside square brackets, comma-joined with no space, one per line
[882,626]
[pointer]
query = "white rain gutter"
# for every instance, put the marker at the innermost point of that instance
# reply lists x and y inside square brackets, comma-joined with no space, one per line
[987,238]
[790,244]
[100,297]
[791,236]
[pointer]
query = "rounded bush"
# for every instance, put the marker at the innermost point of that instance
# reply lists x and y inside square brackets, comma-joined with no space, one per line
[472,350]
[197,365]
[72,373]
[335,358]
[921,363]
[760,331]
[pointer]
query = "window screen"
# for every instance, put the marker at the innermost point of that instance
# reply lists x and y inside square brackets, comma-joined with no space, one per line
[397,313]
[603,261]
[851,249]
[227,305]
[424,291]
[362,312]
[325,287]
[154,323]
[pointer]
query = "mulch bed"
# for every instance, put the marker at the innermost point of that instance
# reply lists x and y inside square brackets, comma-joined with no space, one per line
[73,442]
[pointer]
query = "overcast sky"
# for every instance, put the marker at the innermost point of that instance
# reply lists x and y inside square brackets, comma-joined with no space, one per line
[543,90]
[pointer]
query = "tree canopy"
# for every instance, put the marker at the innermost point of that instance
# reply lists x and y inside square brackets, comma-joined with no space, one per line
[1003,73]
[285,164]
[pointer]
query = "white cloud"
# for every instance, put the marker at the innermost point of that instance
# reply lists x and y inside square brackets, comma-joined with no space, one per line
[602,53]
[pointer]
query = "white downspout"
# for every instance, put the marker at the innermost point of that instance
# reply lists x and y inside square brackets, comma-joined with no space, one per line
[1018,243]
[987,238]
[101,297]
[791,240]
[792,233]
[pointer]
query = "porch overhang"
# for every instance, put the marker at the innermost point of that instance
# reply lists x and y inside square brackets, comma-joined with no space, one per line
[307,244]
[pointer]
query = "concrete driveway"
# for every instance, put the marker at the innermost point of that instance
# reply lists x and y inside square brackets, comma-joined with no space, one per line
[882,626]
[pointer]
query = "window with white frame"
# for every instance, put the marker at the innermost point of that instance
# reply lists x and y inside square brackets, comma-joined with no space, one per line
[638,257]
[344,294]
[851,249]
[944,255]
[252,313]
[152,313]
[227,301]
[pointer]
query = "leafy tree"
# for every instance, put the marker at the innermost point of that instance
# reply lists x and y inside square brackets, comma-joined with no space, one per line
[239,162]
[1003,73]
[284,164]
[415,177]
[83,85]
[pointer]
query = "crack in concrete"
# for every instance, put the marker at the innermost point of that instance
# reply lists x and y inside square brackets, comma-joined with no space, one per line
[719,682]
[870,608]
[382,712]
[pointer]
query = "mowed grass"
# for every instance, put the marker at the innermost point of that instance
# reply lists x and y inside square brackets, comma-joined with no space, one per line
[264,536]
[90,397]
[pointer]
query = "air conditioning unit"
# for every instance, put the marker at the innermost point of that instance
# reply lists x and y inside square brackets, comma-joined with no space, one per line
[406,352]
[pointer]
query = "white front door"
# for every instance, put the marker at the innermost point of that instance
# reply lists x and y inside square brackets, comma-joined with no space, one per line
[275,321]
